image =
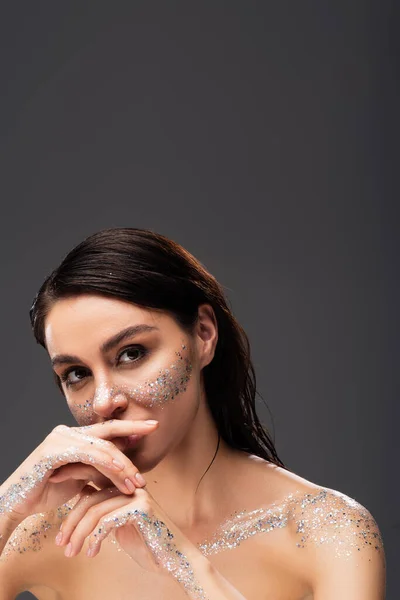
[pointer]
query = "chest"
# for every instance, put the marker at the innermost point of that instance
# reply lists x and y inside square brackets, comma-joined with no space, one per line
[254,568]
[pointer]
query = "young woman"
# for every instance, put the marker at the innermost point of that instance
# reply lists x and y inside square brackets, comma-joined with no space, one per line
[169,479]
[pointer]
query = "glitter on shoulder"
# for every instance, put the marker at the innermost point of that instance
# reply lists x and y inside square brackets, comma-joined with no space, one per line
[333,518]
[321,517]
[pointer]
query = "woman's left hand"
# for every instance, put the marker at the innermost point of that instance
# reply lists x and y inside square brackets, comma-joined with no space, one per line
[138,523]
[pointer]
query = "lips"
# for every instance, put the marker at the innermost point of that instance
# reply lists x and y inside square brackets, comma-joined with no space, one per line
[129,441]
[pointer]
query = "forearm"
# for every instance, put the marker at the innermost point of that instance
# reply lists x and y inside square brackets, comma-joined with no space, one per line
[172,551]
[9,520]
[177,555]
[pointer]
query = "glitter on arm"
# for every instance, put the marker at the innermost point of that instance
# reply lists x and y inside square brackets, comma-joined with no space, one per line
[31,533]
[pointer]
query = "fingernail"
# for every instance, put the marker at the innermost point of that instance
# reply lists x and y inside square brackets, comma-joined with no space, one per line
[59,538]
[151,422]
[129,484]
[68,550]
[140,478]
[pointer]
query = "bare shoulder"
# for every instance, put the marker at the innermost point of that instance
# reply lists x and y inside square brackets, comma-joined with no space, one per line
[334,540]
[339,541]
[31,561]
[331,540]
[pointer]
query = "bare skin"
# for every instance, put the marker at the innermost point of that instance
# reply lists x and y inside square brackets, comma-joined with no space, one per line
[106,385]
[269,566]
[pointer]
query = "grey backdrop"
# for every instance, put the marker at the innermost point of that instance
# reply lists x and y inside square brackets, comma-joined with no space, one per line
[262,136]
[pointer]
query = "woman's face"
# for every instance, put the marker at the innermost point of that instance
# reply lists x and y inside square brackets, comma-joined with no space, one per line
[120,361]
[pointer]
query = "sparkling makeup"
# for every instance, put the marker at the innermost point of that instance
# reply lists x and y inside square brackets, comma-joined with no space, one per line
[160,541]
[163,389]
[322,517]
[325,517]
[29,536]
[15,494]
[169,383]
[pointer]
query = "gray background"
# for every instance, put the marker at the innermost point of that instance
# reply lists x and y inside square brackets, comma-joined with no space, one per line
[262,136]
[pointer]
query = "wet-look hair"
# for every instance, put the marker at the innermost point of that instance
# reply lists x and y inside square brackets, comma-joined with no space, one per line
[154,272]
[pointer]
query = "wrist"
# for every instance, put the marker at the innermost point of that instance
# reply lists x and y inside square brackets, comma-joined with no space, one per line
[8,516]
[210,583]
[9,521]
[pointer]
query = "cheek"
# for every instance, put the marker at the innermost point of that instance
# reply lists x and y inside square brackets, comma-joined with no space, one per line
[163,383]
[82,413]
[169,382]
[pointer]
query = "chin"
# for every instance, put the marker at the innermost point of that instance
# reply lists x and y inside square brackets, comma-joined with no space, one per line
[145,459]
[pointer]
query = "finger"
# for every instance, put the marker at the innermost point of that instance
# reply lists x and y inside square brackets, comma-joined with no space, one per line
[100,432]
[117,517]
[115,428]
[79,471]
[121,473]
[90,522]
[133,512]
[89,496]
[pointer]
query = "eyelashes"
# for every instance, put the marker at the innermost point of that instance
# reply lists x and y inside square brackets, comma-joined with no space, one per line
[64,377]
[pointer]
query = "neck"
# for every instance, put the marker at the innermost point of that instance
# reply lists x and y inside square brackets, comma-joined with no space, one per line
[195,475]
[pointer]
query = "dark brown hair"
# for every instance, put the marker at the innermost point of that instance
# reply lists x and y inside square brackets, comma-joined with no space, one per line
[154,272]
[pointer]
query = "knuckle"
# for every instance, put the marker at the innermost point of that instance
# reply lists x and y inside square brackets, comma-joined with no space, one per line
[72,451]
[105,458]
[146,507]
[102,462]
[94,512]
[60,428]
[104,524]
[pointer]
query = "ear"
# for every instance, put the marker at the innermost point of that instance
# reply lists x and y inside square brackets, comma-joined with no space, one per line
[206,334]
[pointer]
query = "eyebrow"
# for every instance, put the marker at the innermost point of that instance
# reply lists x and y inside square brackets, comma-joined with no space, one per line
[129,332]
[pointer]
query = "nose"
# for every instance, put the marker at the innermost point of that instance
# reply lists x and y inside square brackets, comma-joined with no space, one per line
[108,401]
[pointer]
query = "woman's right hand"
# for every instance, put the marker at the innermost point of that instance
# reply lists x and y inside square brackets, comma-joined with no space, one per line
[31,488]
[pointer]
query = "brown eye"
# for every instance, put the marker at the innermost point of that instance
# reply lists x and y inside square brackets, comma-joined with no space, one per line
[131,354]
[78,374]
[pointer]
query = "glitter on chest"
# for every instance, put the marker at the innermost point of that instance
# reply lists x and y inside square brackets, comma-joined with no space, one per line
[243,525]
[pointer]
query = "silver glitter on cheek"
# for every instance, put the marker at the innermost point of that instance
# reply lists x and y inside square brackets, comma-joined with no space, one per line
[83,413]
[159,539]
[325,517]
[169,383]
